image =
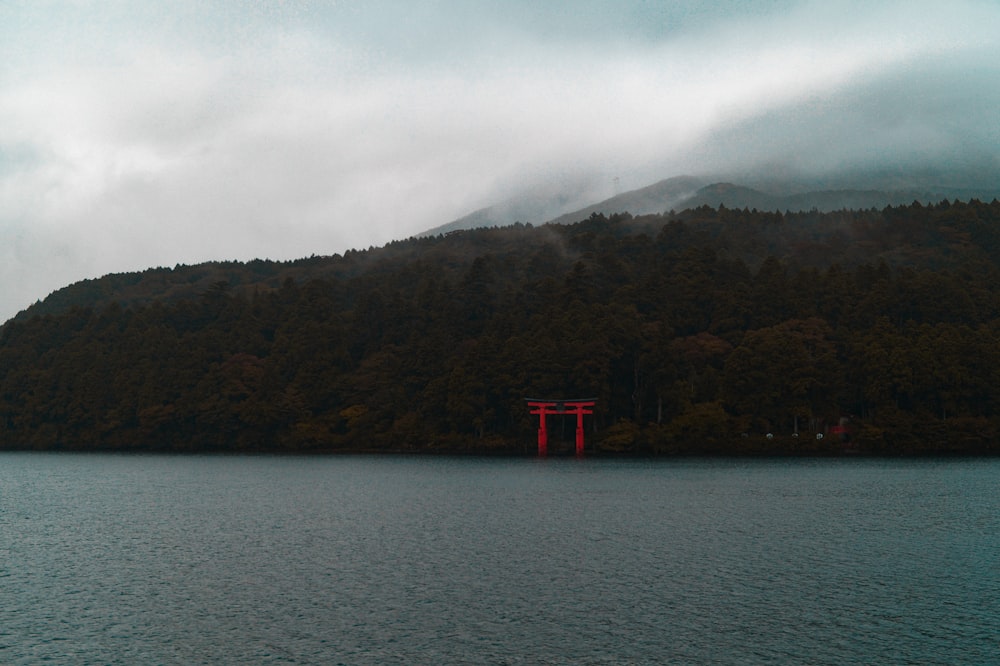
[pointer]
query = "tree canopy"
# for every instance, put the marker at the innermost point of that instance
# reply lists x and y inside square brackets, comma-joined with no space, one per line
[709,331]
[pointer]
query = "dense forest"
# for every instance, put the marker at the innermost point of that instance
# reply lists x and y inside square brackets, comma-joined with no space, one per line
[710,331]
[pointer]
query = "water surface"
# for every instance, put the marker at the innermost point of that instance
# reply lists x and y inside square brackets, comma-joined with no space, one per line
[109,559]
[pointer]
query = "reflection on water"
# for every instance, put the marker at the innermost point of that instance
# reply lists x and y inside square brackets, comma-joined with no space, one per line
[367,560]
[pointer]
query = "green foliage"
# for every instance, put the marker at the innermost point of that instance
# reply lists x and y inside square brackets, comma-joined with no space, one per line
[698,333]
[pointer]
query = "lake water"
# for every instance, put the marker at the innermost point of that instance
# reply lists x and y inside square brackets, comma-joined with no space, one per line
[109,559]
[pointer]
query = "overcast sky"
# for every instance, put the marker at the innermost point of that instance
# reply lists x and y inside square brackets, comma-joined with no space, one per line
[151,133]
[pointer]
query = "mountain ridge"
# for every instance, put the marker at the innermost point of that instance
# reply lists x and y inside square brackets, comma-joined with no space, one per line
[680,192]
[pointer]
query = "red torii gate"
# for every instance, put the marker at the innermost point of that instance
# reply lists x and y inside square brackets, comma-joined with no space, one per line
[545,407]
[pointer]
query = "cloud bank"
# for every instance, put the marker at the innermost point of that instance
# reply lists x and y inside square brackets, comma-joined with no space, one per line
[148,134]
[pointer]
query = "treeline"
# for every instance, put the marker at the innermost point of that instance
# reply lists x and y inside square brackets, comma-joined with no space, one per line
[706,332]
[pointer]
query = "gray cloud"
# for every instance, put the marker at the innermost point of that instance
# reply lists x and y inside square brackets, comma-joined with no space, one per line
[134,136]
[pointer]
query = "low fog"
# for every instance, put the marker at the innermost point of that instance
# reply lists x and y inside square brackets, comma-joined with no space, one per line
[137,136]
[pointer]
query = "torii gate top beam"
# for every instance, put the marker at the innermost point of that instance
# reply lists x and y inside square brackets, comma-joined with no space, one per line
[560,406]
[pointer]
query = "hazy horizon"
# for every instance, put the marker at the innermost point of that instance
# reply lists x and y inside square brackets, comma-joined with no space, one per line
[149,135]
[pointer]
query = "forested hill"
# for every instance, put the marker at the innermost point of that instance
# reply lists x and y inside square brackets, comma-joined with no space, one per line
[709,331]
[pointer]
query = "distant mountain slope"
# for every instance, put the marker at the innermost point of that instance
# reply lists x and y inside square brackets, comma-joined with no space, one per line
[540,207]
[671,195]
[682,192]
[737,196]
[656,198]
[534,205]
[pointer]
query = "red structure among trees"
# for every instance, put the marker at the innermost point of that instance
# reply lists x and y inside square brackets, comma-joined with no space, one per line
[545,407]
